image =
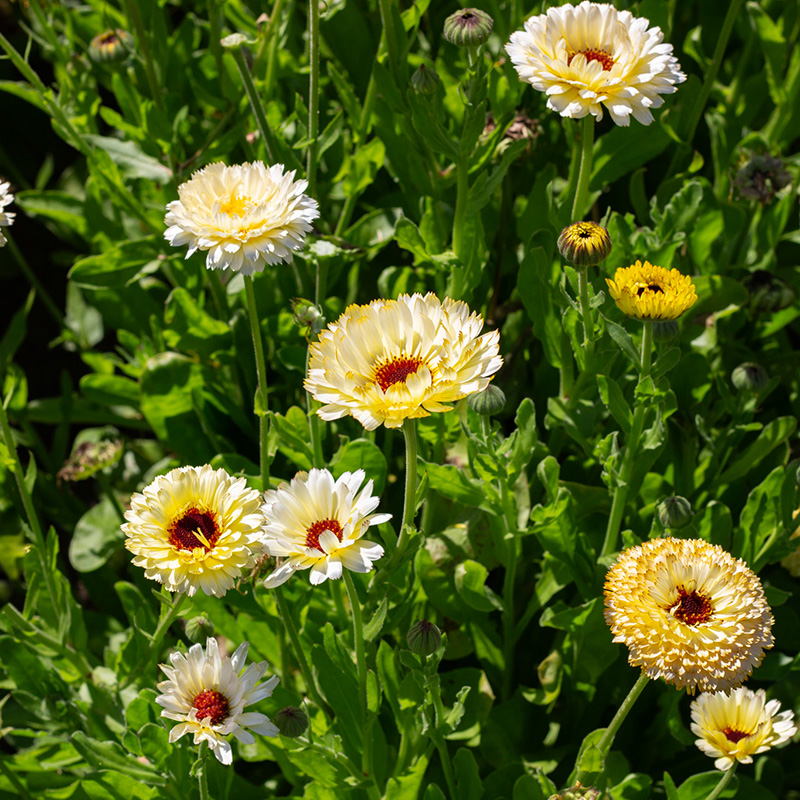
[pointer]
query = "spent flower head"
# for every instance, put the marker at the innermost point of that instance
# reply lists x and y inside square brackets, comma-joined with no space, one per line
[648,292]
[89,458]
[761,178]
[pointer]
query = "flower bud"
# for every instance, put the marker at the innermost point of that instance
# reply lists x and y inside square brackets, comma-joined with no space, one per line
[749,377]
[489,402]
[291,721]
[424,638]
[665,330]
[111,47]
[674,512]
[468,27]
[577,792]
[198,629]
[768,293]
[425,80]
[89,458]
[584,244]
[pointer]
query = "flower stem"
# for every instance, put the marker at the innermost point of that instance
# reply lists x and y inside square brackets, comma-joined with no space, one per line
[631,448]
[438,739]
[143,41]
[302,662]
[607,739]
[262,402]
[108,490]
[313,96]
[725,780]
[410,501]
[202,771]
[588,320]
[460,215]
[255,103]
[387,20]
[587,143]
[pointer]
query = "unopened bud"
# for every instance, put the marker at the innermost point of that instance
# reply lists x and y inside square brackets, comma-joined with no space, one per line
[584,244]
[665,330]
[674,512]
[111,47]
[749,377]
[489,402]
[468,27]
[425,80]
[198,629]
[291,721]
[307,315]
[424,638]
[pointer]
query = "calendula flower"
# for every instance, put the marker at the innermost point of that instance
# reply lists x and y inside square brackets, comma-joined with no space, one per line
[592,56]
[689,613]
[195,528]
[6,217]
[317,523]
[397,359]
[584,244]
[245,216]
[733,727]
[645,291]
[207,694]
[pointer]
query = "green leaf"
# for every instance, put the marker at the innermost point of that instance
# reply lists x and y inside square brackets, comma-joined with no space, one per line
[620,151]
[452,482]
[96,538]
[361,454]
[110,390]
[615,402]
[56,206]
[375,625]
[773,435]
[700,786]
[109,755]
[131,159]
[191,328]
[468,778]
[624,342]
[470,579]
[537,297]
[118,265]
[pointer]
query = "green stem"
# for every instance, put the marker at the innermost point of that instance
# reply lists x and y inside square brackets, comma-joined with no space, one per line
[313,96]
[272,39]
[587,144]
[509,639]
[108,490]
[302,662]
[387,20]
[410,500]
[588,319]
[441,744]
[725,780]
[631,448]
[460,215]
[255,103]
[202,771]
[218,293]
[143,40]
[15,782]
[567,373]
[607,739]
[262,406]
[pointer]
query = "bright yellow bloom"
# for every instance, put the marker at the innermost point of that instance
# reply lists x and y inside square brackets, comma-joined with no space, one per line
[645,291]
[397,359]
[590,57]
[689,613]
[734,727]
[195,528]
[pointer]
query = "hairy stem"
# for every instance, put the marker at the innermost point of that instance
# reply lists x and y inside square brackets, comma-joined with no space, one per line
[587,144]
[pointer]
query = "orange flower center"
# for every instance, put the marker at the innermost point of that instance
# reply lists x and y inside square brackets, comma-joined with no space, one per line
[211,705]
[194,529]
[732,735]
[595,55]
[692,609]
[312,539]
[396,371]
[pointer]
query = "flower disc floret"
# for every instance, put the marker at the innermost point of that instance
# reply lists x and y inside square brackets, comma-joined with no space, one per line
[195,528]
[6,217]
[646,291]
[207,694]
[245,216]
[392,360]
[689,613]
[735,726]
[318,523]
[591,57]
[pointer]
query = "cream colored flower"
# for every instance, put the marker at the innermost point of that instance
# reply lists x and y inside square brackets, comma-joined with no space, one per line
[6,217]
[317,523]
[589,56]
[734,727]
[689,613]
[195,528]
[397,359]
[207,694]
[246,216]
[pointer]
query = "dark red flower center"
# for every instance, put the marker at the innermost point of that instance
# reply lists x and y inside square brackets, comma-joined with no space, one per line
[595,55]
[212,705]
[732,735]
[692,608]
[312,539]
[192,528]
[396,371]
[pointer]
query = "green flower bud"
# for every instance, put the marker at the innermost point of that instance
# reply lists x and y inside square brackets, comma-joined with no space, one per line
[424,638]
[198,629]
[111,47]
[674,512]
[749,377]
[584,244]
[665,330]
[468,27]
[291,721]
[489,402]
[425,80]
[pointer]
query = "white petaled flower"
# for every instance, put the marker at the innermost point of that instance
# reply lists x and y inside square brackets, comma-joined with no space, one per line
[734,727]
[195,528]
[591,56]
[317,523]
[245,216]
[394,360]
[6,217]
[207,694]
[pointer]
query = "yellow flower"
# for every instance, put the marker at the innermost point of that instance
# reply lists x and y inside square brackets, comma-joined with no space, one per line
[584,244]
[6,217]
[592,56]
[246,216]
[733,727]
[398,359]
[645,291]
[195,528]
[689,613]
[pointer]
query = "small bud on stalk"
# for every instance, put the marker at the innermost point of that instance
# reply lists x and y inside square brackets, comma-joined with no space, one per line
[424,638]
[468,27]
[111,47]
[489,402]
[749,377]
[291,721]
[198,629]
[425,80]
[584,244]
[665,330]
[674,512]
